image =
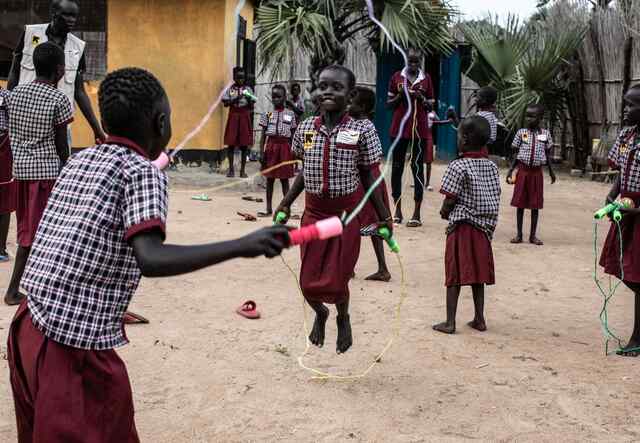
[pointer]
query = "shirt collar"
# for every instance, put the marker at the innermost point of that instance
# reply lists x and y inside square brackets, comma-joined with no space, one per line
[122,141]
[419,78]
[45,82]
[475,154]
[319,121]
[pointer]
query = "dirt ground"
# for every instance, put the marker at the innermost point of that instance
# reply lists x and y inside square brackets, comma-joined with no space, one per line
[200,373]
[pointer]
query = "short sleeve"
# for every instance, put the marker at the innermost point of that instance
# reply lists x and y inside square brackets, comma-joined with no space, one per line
[264,120]
[145,201]
[517,140]
[613,157]
[294,123]
[4,98]
[549,141]
[453,180]
[297,145]
[227,93]
[63,114]
[370,148]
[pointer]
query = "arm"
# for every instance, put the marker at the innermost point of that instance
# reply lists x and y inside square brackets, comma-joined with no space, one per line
[156,259]
[14,73]
[62,144]
[614,192]
[263,138]
[292,195]
[551,173]
[447,206]
[87,110]
[384,215]
[515,146]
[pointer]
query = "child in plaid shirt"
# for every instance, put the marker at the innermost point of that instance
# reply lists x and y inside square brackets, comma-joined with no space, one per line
[338,154]
[38,117]
[471,186]
[7,183]
[627,185]
[103,228]
[532,145]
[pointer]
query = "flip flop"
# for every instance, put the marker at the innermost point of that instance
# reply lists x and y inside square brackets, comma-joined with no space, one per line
[131,318]
[248,310]
[201,197]
[413,223]
[263,214]
[247,217]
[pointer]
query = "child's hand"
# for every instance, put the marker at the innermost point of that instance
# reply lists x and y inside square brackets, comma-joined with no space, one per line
[282,208]
[509,176]
[267,241]
[553,176]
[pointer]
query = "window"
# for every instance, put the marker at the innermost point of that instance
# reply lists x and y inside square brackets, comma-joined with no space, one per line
[91,27]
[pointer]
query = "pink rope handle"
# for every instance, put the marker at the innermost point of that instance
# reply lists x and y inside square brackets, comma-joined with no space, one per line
[322,230]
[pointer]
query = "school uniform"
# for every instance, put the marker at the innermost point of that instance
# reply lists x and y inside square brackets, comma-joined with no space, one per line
[533,147]
[239,130]
[8,186]
[299,104]
[416,135]
[621,146]
[474,182]
[332,161]
[278,126]
[35,111]
[627,160]
[68,382]
[369,215]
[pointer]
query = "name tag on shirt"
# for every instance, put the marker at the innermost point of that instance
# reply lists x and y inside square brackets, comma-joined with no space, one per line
[1,102]
[348,137]
[543,137]
[287,118]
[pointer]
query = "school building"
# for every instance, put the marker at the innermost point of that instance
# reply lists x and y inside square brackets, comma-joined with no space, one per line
[190,45]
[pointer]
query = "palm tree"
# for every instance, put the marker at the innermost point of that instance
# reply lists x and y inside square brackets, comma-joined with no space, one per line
[322,28]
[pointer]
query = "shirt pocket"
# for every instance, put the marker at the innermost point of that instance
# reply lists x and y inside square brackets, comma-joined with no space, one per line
[27,59]
[345,157]
[72,62]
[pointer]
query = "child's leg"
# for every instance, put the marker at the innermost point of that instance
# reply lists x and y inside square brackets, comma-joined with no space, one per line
[428,180]
[13,296]
[383,272]
[631,349]
[285,186]
[231,150]
[397,169]
[317,332]
[5,219]
[519,221]
[534,227]
[345,339]
[478,321]
[270,185]
[243,161]
[417,169]
[449,326]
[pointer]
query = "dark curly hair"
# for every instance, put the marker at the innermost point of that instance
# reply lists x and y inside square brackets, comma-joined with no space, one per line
[475,130]
[280,87]
[127,97]
[351,77]
[367,99]
[46,59]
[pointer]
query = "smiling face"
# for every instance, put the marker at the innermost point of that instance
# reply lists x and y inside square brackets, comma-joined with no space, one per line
[277,97]
[632,107]
[334,91]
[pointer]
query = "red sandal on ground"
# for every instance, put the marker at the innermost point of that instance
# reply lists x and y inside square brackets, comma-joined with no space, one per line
[248,310]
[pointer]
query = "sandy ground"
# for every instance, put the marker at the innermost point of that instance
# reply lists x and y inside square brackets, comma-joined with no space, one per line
[201,373]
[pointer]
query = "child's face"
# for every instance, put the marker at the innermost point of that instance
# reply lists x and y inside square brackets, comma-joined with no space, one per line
[162,130]
[334,92]
[533,118]
[239,77]
[632,107]
[355,108]
[277,97]
[295,90]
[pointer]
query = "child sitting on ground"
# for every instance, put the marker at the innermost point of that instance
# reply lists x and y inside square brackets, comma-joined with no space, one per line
[471,186]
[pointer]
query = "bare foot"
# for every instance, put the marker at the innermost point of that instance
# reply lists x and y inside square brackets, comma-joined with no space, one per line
[345,339]
[380,276]
[317,333]
[14,299]
[479,325]
[445,328]
[516,240]
[536,241]
[631,350]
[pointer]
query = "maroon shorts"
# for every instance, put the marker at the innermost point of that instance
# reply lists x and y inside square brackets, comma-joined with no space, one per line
[32,201]
[327,265]
[276,151]
[8,186]
[369,216]
[239,131]
[528,192]
[468,257]
[64,394]
[610,257]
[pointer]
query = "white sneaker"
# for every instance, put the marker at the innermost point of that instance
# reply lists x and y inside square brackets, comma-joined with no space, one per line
[430,188]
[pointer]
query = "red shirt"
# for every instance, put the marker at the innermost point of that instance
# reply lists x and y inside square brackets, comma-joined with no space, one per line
[417,125]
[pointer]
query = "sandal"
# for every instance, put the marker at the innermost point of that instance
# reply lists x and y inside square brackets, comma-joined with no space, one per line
[247,217]
[248,310]
[413,223]
[265,214]
[131,318]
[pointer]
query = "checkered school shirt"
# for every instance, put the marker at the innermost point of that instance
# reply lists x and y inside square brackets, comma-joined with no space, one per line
[4,115]
[626,138]
[234,91]
[493,124]
[331,160]
[278,123]
[35,111]
[474,181]
[628,161]
[82,271]
[532,146]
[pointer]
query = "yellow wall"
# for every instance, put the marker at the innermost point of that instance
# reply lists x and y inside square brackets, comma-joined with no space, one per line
[188,44]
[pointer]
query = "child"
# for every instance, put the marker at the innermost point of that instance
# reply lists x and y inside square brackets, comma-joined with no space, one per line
[38,117]
[239,131]
[416,134]
[296,104]
[338,153]
[532,145]
[278,127]
[486,104]
[471,186]
[7,183]
[627,185]
[361,108]
[104,227]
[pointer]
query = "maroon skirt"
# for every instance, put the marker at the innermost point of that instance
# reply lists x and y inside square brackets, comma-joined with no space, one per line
[610,257]
[528,192]
[64,394]
[468,257]
[33,196]
[276,151]
[327,265]
[8,186]
[239,131]
[369,216]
